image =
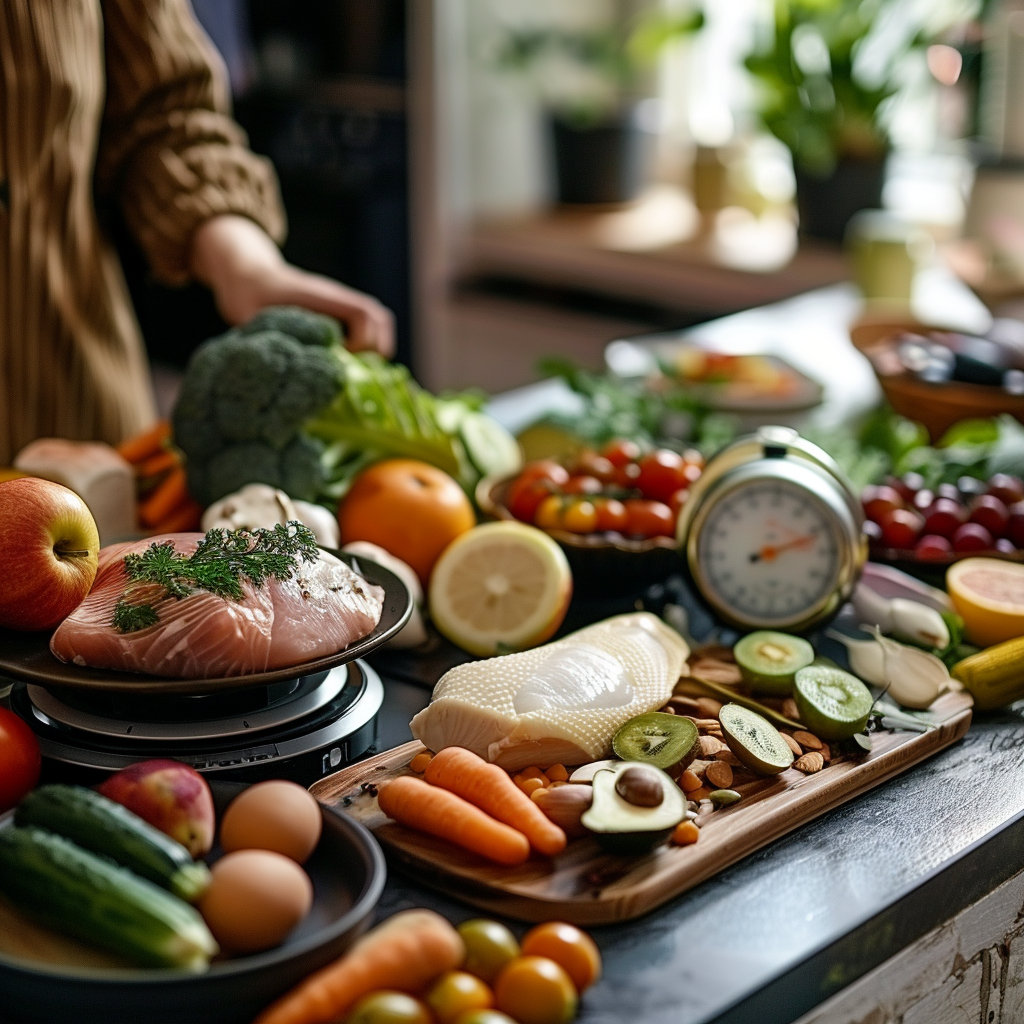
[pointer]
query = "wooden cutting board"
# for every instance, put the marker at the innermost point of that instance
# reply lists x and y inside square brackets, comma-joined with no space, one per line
[588,887]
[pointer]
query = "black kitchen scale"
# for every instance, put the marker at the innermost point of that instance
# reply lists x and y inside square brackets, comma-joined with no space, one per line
[300,723]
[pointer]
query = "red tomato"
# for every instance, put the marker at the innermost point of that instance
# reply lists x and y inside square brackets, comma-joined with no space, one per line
[583,484]
[649,518]
[626,476]
[592,464]
[544,469]
[524,498]
[678,500]
[19,759]
[621,451]
[611,515]
[662,473]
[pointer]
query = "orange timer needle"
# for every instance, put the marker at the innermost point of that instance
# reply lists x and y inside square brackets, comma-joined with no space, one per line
[771,551]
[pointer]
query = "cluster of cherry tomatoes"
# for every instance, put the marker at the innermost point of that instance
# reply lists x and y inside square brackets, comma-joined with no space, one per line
[954,519]
[622,489]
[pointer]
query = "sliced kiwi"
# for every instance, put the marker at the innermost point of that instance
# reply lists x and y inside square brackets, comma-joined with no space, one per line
[768,661]
[754,740]
[833,704]
[668,742]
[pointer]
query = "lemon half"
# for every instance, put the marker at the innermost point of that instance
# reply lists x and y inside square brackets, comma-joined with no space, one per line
[500,586]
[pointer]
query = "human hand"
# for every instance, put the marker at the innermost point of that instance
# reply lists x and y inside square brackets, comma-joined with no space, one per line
[245,270]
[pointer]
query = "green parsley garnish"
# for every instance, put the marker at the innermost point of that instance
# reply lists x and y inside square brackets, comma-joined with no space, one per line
[218,565]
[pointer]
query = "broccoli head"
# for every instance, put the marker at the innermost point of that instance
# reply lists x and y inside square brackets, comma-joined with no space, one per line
[302,325]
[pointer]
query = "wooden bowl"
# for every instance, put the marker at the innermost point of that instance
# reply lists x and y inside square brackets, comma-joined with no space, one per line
[936,406]
[601,563]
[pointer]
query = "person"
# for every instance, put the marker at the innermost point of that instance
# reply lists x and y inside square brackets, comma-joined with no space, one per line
[125,101]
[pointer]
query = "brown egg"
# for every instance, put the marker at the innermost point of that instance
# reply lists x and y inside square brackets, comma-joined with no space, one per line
[255,899]
[276,815]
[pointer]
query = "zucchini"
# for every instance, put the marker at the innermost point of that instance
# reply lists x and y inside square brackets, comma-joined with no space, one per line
[105,827]
[78,893]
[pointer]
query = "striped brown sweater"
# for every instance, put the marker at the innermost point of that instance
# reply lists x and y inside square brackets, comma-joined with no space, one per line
[126,97]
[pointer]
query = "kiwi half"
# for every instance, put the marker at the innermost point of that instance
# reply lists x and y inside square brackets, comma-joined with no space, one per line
[768,661]
[833,704]
[754,740]
[668,742]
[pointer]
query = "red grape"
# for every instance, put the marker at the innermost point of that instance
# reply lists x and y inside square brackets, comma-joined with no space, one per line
[1015,527]
[901,528]
[991,513]
[945,517]
[879,502]
[924,500]
[1008,489]
[908,485]
[1007,547]
[950,491]
[971,486]
[932,548]
[971,537]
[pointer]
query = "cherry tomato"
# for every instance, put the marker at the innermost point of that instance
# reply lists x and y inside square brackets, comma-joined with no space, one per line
[489,947]
[387,1007]
[535,990]
[573,950]
[933,548]
[649,518]
[545,469]
[620,451]
[611,515]
[580,517]
[592,464]
[880,502]
[627,476]
[991,513]
[661,474]
[549,513]
[583,484]
[524,497]
[456,992]
[678,500]
[19,759]
[484,1017]
[901,528]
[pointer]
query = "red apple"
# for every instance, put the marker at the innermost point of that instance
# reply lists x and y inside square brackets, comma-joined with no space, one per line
[171,796]
[50,549]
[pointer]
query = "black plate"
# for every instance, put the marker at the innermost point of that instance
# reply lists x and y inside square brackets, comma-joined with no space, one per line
[27,656]
[348,874]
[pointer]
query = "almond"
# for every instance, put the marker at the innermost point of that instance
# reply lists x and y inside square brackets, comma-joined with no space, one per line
[825,752]
[707,723]
[792,744]
[809,763]
[790,710]
[719,774]
[708,707]
[716,671]
[709,746]
[807,740]
[729,758]
[686,706]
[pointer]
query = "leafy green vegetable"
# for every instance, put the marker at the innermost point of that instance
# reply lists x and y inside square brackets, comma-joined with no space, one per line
[279,401]
[218,565]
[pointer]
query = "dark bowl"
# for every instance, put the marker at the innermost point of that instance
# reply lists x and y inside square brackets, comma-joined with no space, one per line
[348,874]
[601,563]
[27,656]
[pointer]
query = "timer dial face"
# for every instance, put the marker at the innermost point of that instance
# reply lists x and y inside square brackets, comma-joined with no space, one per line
[768,554]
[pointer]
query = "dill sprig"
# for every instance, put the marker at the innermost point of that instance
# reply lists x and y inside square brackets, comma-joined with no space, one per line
[223,559]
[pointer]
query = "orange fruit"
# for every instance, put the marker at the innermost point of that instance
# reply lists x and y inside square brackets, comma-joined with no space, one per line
[411,509]
[989,595]
[573,950]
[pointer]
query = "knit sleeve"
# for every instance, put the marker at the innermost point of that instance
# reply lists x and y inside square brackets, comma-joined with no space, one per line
[169,151]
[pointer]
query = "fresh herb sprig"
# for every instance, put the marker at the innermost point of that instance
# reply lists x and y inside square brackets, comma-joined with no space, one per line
[223,559]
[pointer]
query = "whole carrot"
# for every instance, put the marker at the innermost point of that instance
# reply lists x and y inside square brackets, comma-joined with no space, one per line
[170,495]
[162,461]
[412,802]
[407,952]
[490,788]
[183,519]
[149,442]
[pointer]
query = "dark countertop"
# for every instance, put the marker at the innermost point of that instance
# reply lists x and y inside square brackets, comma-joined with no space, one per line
[776,934]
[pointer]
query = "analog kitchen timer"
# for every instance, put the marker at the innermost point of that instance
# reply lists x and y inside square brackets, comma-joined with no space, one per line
[772,534]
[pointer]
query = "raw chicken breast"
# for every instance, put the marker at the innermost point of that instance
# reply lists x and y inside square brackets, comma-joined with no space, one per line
[321,609]
[561,703]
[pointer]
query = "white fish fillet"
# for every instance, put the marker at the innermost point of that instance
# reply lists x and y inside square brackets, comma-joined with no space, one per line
[560,703]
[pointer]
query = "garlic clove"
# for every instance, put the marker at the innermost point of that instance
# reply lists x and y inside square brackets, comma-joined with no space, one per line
[915,677]
[918,623]
[867,659]
[872,608]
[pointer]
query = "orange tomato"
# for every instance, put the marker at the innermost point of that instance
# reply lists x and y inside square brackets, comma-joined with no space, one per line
[580,517]
[455,993]
[411,509]
[573,950]
[549,513]
[535,990]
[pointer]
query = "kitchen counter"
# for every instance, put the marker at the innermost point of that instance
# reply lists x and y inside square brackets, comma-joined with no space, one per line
[777,934]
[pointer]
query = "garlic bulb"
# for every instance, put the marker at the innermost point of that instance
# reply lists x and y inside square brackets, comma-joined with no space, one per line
[260,506]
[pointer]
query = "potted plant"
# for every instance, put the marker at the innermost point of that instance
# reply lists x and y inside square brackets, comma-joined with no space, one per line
[590,82]
[826,74]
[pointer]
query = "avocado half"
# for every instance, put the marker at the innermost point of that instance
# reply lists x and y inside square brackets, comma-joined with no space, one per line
[624,828]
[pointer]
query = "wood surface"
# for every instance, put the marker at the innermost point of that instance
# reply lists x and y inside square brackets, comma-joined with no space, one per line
[588,887]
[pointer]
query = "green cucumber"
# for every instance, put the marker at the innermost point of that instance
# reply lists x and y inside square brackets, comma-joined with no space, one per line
[105,827]
[75,892]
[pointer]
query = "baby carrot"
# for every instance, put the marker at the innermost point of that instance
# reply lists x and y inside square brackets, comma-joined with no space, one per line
[411,801]
[171,494]
[162,461]
[407,952]
[183,519]
[149,442]
[492,790]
